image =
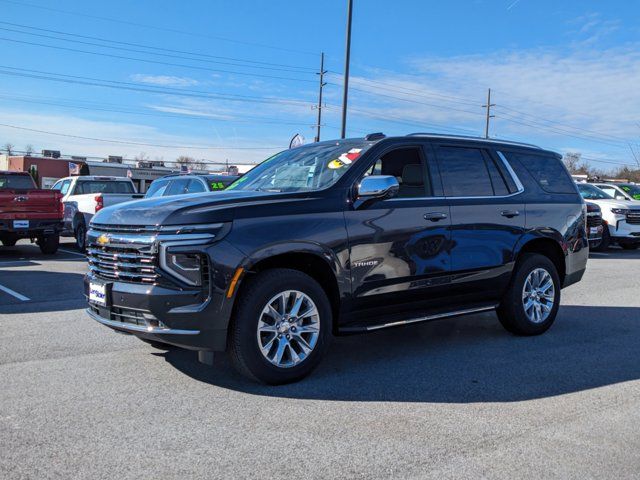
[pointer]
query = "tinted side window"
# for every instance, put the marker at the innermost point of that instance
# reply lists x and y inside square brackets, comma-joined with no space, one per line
[407,166]
[195,186]
[499,185]
[464,172]
[177,187]
[548,171]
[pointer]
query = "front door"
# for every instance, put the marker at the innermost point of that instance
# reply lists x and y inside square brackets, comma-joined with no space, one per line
[399,246]
[487,219]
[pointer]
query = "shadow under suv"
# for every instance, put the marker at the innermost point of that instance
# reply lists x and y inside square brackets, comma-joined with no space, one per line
[342,237]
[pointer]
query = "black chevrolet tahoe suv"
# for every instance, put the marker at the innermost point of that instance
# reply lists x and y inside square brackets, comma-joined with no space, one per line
[341,237]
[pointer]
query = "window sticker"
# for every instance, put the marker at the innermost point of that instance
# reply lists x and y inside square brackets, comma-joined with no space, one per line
[345,159]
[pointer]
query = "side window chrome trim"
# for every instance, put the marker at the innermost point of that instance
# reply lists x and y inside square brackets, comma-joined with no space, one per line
[514,177]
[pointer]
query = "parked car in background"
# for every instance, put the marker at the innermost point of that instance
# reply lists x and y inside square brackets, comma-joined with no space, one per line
[181,184]
[341,237]
[83,196]
[621,191]
[621,216]
[29,212]
[595,226]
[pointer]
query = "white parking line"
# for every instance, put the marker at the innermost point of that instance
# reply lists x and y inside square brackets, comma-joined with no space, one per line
[14,293]
[71,252]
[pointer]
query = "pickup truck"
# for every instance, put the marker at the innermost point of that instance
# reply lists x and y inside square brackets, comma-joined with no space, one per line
[28,212]
[84,196]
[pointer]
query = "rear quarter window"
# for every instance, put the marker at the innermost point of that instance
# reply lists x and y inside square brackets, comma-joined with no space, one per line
[547,170]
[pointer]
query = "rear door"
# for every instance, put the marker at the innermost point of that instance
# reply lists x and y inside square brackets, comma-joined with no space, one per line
[487,217]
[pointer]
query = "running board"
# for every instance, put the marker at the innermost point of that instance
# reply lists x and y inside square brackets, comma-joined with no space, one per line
[409,321]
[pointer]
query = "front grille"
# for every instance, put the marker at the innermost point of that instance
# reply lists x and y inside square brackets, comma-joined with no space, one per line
[103,227]
[132,263]
[594,221]
[128,316]
[633,217]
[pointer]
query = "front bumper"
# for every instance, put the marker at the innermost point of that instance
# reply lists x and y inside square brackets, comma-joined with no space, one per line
[621,231]
[178,317]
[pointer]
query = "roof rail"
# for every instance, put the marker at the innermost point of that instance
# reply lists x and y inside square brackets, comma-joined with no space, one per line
[469,137]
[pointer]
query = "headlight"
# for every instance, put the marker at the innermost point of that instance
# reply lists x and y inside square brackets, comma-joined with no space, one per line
[619,211]
[185,266]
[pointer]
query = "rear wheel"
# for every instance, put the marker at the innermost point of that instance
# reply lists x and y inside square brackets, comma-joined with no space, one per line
[81,235]
[9,241]
[282,327]
[49,244]
[531,304]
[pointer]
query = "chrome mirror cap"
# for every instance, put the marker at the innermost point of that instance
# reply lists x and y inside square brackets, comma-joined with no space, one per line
[377,186]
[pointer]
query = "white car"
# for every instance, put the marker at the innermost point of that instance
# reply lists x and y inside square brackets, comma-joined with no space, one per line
[621,216]
[83,196]
[621,191]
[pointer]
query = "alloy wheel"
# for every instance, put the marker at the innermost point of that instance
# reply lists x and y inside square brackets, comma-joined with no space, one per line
[288,329]
[538,295]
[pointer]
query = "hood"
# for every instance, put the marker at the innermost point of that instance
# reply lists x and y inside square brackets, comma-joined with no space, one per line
[614,203]
[185,209]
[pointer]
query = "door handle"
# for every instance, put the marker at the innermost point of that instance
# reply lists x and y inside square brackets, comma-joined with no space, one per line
[510,213]
[435,216]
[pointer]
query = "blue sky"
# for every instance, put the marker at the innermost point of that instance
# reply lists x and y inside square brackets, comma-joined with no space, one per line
[235,80]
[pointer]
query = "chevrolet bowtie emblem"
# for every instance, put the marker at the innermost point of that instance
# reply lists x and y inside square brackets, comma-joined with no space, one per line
[102,240]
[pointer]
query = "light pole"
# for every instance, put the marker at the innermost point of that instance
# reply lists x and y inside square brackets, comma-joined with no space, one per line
[346,69]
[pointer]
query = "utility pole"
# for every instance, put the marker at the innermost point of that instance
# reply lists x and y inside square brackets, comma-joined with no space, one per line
[489,116]
[346,69]
[322,84]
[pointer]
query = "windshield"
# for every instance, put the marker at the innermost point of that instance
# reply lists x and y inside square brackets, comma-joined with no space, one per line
[157,188]
[17,182]
[303,169]
[589,192]
[630,189]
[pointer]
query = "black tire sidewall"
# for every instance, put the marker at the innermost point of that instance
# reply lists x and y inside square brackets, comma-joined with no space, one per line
[81,232]
[49,245]
[263,287]
[517,321]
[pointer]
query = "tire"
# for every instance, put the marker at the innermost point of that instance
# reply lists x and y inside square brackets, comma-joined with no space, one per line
[511,311]
[629,246]
[245,339]
[81,236]
[603,246]
[49,245]
[9,242]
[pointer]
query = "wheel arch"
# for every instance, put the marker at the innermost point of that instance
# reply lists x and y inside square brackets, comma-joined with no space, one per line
[319,263]
[550,244]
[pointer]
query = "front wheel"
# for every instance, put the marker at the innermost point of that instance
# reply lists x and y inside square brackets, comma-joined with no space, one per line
[531,303]
[282,327]
[604,243]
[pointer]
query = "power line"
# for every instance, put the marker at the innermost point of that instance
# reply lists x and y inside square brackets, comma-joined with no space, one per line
[94,106]
[143,144]
[171,53]
[156,62]
[157,27]
[81,80]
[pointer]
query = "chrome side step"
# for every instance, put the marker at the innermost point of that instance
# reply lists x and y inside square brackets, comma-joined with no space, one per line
[426,318]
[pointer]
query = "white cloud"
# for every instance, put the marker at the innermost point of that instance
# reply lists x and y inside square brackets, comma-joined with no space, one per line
[164,80]
[168,147]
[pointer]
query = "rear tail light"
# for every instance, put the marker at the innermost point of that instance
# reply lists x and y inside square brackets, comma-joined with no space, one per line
[99,203]
[59,197]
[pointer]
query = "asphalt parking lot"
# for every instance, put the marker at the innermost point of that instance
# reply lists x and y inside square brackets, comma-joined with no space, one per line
[451,399]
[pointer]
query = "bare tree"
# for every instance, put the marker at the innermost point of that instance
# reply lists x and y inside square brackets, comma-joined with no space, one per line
[9,148]
[141,157]
[189,162]
[28,150]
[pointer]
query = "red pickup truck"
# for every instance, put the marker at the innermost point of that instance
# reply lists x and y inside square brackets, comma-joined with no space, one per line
[29,212]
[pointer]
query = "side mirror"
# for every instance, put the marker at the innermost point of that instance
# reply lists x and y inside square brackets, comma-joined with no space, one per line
[377,186]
